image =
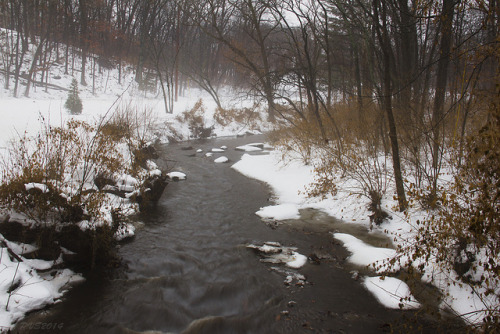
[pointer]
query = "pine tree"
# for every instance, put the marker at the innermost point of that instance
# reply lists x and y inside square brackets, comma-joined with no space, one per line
[74,103]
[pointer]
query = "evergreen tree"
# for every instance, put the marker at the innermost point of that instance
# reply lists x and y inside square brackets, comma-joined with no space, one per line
[74,103]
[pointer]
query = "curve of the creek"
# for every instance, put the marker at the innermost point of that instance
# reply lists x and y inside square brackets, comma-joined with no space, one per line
[188,271]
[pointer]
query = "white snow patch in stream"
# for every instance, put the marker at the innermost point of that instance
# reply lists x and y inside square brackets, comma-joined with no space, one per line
[391,292]
[248,148]
[176,176]
[221,160]
[362,253]
[279,212]
[273,252]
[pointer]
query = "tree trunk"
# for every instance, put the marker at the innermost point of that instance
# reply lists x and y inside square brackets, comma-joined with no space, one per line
[38,52]
[83,38]
[383,36]
[441,81]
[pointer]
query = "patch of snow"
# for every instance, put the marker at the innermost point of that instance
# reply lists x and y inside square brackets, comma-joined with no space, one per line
[40,186]
[297,260]
[273,252]
[248,148]
[217,150]
[279,212]
[391,292]
[17,247]
[176,176]
[124,231]
[151,165]
[221,160]
[155,172]
[362,253]
[31,291]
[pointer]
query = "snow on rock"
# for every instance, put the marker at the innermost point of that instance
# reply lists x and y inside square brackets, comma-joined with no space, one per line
[124,231]
[223,147]
[151,165]
[221,160]
[40,186]
[272,252]
[17,247]
[279,212]
[297,260]
[391,292]
[362,253]
[268,247]
[154,172]
[217,150]
[176,176]
[248,148]
[199,150]
[126,180]
[292,277]
[208,155]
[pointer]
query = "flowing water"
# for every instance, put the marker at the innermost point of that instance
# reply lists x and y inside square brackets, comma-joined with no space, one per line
[188,271]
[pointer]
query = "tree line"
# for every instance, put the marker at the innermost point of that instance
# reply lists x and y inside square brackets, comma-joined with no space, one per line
[418,61]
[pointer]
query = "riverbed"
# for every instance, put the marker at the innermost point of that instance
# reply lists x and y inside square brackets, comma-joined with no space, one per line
[188,269]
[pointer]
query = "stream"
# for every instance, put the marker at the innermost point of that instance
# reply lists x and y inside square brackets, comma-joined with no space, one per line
[188,269]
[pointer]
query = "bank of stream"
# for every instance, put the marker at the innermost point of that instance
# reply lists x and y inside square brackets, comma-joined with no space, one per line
[188,269]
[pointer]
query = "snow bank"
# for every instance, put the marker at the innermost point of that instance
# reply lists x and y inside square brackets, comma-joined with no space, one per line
[279,212]
[362,253]
[23,290]
[287,181]
[391,292]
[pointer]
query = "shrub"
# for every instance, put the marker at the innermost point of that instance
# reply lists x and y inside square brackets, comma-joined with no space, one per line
[462,235]
[357,163]
[51,179]
[248,116]
[196,121]
[74,103]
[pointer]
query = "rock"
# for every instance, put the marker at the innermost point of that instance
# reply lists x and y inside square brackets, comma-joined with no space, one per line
[145,153]
[176,176]
[248,148]
[313,258]
[258,145]
[15,231]
[221,160]
[153,189]
[102,180]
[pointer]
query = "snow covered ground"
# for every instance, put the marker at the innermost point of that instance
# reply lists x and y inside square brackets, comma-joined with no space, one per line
[22,286]
[289,180]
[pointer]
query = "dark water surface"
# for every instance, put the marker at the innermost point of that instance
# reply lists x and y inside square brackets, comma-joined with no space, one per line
[188,270]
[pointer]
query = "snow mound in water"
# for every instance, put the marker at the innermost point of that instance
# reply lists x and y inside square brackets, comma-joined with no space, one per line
[391,292]
[221,160]
[279,212]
